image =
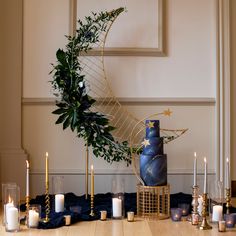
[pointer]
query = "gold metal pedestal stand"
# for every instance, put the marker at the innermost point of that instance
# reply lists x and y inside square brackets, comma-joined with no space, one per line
[204,225]
[86,172]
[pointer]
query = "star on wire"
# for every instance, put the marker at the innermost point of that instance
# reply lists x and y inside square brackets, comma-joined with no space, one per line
[146,142]
[167,112]
[150,124]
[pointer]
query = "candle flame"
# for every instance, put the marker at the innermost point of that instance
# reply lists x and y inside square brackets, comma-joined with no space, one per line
[195,154]
[9,199]
[227,159]
[46,154]
[205,160]
[91,167]
[27,164]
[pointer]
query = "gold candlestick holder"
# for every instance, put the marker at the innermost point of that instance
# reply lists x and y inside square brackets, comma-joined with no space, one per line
[27,200]
[47,203]
[204,225]
[228,200]
[195,216]
[92,206]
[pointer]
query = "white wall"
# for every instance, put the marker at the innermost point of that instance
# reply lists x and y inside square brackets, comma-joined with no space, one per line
[188,71]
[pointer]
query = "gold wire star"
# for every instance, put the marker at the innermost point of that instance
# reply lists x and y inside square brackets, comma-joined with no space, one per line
[146,142]
[150,124]
[167,112]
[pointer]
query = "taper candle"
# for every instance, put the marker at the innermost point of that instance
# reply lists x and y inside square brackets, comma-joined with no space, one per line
[46,167]
[27,178]
[195,170]
[227,174]
[205,176]
[92,181]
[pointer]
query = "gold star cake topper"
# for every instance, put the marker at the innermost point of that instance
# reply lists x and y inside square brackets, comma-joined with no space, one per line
[146,142]
[167,112]
[150,124]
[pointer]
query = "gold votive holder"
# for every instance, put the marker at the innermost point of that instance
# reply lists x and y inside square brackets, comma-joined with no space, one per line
[67,219]
[130,216]
[103,216]
[221,226]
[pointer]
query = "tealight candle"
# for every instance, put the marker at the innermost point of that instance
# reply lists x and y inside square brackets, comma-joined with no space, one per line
[67,219]
[59,203]
[176,214]
[130,216]
[185,208]
[103,215]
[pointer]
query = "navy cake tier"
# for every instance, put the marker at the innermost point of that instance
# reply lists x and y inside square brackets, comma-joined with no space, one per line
[153,170]
[153,146]
[152,128]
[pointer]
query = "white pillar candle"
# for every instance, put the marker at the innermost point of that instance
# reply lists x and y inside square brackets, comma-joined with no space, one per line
[59,203]
[227,174]
[33,219]
[217,211]
[195,170]
[205,176]
[12,216]
[6,207]
[27,178]
[116,207]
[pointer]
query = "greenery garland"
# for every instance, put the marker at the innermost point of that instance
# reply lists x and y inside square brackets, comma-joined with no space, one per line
[74,104]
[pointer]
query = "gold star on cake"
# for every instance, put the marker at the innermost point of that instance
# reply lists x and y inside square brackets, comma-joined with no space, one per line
[167,112]
[146,142]
[150,124]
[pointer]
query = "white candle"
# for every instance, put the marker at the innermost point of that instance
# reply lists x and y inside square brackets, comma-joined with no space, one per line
[59,203]
[195,170]
[33,219]
[12,216]
[205,176]
[116,207]
[6,207]
[217,211]
[27,178]
[227,174]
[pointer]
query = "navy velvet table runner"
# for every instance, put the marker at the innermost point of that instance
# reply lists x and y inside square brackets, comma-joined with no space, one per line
[79,208]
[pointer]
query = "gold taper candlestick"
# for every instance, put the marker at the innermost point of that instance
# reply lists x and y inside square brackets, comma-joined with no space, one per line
[47,203]
[195,215]
[27,200]
[92,206]
[204,225]
[228,200]
[86,172]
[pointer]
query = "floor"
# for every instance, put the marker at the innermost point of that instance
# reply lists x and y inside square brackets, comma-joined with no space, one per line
[140,227]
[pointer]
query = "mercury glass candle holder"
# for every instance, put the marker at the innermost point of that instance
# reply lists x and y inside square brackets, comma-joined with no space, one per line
[176,214]
[185,208]
[229,220]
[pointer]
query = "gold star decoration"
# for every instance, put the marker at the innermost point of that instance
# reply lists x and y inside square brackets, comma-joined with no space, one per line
[150,124]
[167,112]
[146,142]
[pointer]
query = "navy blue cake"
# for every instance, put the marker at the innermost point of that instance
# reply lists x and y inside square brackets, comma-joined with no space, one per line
[153,161]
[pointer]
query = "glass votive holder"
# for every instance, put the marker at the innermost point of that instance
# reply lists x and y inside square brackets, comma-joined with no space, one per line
[221,226]
[12,208]
[229,220]
[176,214]
[33,216]
[185,208]
[103,215]
[58,189]
[130,216]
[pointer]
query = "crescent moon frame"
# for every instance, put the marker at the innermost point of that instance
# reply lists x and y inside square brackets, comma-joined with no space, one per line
[159,51]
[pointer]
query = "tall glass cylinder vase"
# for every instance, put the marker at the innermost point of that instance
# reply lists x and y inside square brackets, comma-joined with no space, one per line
[58,189]
[118,198]
[216,201]
[11,204]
